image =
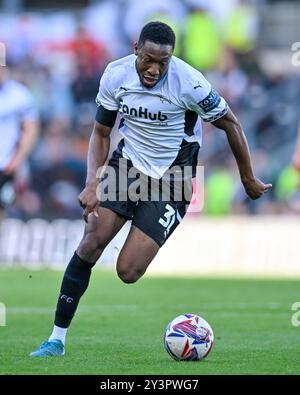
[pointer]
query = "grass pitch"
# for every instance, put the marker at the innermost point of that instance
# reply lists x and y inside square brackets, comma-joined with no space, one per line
[119,328]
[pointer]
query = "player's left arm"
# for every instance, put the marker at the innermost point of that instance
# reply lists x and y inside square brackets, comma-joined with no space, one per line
[254,187]
[29,135]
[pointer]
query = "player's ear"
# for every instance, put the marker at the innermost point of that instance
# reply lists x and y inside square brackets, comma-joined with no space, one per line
[135,48]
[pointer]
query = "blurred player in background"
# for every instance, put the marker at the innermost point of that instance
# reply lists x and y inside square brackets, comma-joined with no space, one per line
[18,133]
[159,98]
[296,156]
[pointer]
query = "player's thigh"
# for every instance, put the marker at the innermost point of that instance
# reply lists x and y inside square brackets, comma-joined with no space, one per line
[137,253]
[99,231]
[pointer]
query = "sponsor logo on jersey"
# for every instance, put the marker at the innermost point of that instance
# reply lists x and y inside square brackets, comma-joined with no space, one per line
[142,112]
[197,86]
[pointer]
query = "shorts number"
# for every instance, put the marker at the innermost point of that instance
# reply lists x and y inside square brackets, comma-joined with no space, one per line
[169,219]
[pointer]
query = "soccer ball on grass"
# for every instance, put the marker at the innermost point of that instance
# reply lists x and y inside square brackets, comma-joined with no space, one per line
[188,338]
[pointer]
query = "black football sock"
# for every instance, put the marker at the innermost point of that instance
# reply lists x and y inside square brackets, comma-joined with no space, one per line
[74,284]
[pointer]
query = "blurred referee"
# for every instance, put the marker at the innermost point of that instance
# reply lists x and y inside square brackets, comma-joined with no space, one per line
[18,133]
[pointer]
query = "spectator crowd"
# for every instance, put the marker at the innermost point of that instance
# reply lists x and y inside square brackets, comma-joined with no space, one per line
[60,55]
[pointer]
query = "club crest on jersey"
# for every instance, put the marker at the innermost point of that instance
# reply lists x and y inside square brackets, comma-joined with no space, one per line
[142,112]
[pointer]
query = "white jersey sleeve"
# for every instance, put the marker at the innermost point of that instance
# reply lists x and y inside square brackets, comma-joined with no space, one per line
[105,96]
[17,105]
[199,96]
[27,107]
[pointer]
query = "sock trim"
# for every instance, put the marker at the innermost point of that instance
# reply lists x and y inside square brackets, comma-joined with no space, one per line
[83,262]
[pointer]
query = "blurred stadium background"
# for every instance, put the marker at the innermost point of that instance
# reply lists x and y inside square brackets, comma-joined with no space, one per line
[59,50]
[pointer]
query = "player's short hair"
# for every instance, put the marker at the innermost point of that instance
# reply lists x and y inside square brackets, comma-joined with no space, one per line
[157,32]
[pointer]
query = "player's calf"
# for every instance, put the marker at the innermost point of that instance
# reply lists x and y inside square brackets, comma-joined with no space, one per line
[75,282]
[90,247]
[136,255]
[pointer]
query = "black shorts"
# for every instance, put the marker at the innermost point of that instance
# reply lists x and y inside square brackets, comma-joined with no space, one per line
[155,206]
[7,194]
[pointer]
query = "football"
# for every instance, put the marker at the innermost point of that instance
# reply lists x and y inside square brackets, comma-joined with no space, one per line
[188,338]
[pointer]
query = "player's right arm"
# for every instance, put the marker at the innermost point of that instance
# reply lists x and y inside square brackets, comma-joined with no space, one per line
[97,154]
[99,141]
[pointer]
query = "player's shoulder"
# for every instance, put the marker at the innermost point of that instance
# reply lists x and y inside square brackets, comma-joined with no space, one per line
[118,72]
[120,67]
[17,86]
[188,80]
[20,91]
[185,72]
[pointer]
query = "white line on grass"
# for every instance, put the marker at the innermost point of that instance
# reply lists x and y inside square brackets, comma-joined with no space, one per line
[220,308]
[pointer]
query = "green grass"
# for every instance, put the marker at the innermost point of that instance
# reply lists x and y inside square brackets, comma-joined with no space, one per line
[119,328]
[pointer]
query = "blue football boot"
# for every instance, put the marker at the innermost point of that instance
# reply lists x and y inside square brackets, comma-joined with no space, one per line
[49,348]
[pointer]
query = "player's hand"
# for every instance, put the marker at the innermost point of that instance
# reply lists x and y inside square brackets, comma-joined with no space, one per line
[88,201]
[255,188]
[12,166]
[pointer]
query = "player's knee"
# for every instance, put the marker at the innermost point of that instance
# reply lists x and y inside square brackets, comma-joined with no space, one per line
[129,276]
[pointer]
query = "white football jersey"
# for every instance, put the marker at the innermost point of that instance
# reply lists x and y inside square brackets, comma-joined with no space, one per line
[155,121]
[16,106]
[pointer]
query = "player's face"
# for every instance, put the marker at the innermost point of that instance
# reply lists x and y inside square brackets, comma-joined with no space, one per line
[152,62]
